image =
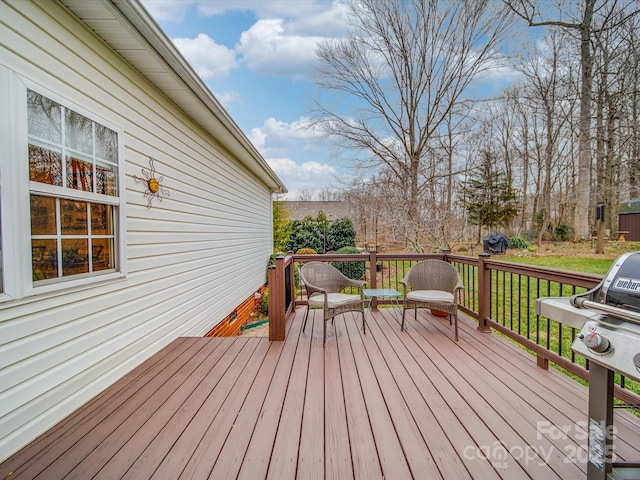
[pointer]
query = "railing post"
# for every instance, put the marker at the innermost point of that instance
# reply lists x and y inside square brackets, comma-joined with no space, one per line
[373,275]
[277,313]
[292,285]
[484,293]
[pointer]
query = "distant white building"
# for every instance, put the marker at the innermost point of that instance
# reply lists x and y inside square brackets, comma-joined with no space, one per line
[133,209]
[332,210]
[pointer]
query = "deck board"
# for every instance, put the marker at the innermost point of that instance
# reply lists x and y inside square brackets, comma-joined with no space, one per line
[364,451]
[215,377]
[385,404]
[520,430]
[311,450]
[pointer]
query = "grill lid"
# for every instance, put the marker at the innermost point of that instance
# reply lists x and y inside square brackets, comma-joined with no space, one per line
[618,294]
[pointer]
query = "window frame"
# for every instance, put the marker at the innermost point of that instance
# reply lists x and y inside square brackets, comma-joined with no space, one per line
[14,168]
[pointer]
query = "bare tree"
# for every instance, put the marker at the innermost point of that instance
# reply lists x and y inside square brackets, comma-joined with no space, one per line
[398,77]
[630,110]
[328,194]
[306,194]
[551,101]
[528,10]
[584,23]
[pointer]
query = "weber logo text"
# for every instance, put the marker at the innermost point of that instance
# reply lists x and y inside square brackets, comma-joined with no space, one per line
[629,284]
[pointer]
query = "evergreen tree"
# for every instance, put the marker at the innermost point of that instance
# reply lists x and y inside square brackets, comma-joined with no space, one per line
[281,226]
[306,233]
[488,197]
[341,233]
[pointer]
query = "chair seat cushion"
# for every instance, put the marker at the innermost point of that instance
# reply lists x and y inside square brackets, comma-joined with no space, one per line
[334,300]
[430,296]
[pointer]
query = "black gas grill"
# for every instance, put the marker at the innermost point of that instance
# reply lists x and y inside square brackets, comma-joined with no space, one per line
[608,317]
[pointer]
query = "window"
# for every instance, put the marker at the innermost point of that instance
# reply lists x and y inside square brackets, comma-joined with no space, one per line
[74,192]
[62,205]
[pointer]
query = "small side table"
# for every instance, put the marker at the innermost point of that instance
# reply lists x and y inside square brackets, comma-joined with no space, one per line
[390,293]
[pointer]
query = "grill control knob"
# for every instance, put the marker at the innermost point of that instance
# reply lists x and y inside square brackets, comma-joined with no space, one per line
[597,343]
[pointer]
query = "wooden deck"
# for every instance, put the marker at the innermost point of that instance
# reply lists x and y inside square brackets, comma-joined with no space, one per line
[388,404]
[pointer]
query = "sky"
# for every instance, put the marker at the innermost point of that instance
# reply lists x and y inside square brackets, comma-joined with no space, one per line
[258,59]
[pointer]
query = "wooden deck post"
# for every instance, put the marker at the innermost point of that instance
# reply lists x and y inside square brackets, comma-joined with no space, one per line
[484,293]
[373,275]
[277,314]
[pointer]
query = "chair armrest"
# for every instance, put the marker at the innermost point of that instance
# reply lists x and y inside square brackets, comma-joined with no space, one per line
[405,284]
[311,289]
[357,283]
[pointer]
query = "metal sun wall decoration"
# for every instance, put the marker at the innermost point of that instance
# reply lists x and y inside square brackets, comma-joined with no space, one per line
[154,187]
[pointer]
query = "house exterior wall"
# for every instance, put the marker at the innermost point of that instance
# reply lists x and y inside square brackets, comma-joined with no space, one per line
[189,260]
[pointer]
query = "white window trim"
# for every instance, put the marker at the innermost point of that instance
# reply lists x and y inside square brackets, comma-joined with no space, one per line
[16,231]
[7,190]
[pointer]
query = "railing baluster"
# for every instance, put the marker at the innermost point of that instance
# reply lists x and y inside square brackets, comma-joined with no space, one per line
[528,307]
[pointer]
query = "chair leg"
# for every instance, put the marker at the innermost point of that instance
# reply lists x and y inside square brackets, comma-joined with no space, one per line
[324,333]
[404,310]
[455,321]
[364,328]
[306,315]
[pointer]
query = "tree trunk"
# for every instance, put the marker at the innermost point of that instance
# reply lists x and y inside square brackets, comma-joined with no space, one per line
[583,194]
[600,159]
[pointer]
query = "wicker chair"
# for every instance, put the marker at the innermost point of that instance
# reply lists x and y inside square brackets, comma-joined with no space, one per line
[432,284]
[324,284]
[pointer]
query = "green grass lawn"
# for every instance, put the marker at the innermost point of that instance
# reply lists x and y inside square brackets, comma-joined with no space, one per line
[598,266]
[576,257]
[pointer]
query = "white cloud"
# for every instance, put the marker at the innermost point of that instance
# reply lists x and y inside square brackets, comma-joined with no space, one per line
[227,98]
[275,137]
[266,49]
[300,176]
[330,22]
[311,17]
[281,42]
[293,150]
[210,60]
[167,10]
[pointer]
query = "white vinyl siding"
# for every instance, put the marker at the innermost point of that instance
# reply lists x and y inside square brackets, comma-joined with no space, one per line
[190,259]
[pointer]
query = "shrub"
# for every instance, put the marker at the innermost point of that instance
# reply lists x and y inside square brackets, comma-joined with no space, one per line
[306,251]
[307,233]
[264,302]
[341,233]
[518,242]
[562,233]
[272,258]
[353,270]
[532,248]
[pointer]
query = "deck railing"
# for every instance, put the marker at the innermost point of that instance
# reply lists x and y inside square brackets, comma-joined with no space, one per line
[500,295]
